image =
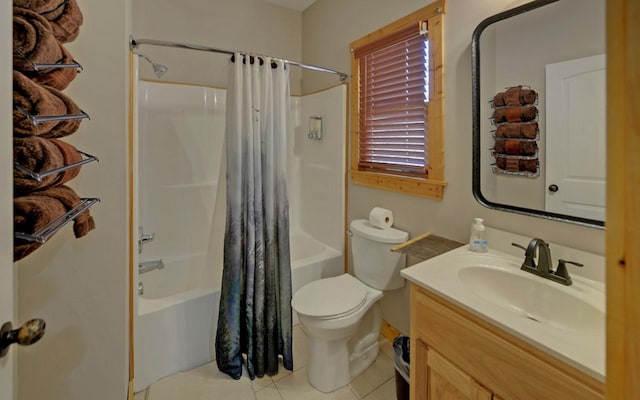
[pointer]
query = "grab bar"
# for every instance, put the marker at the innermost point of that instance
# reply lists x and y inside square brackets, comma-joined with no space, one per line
[148,266]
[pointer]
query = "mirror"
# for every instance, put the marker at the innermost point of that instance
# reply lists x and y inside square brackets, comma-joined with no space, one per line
[539,98]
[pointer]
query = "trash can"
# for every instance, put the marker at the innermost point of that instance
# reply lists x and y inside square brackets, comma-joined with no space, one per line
[401,362]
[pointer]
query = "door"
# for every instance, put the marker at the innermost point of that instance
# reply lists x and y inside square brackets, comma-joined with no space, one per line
[575,119]
[6,204]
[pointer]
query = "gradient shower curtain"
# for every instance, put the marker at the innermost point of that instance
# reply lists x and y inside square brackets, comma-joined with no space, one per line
[255,305]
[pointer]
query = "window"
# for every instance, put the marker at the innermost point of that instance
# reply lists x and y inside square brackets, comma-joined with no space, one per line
[397,96]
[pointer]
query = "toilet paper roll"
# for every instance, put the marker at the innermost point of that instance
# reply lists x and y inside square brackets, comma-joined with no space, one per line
[381,218]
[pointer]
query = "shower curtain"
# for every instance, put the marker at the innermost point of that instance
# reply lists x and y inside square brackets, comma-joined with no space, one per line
[255,305]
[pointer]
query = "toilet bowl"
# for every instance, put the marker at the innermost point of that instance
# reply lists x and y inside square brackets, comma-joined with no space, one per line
[341,315]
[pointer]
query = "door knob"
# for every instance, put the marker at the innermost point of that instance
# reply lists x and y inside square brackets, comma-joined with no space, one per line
[27,334]
[553,188]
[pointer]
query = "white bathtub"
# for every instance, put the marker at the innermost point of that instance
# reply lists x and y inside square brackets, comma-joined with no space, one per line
[178,312]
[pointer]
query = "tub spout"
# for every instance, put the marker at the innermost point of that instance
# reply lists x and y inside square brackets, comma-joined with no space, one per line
[147,266]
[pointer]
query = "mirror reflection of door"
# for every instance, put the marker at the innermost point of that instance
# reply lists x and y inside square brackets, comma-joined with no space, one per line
[576,149]
[515,51]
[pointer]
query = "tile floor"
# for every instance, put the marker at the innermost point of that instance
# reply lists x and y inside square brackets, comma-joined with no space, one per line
[206,382]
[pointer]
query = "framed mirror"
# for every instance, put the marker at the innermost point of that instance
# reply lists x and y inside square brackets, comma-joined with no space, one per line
[539,98]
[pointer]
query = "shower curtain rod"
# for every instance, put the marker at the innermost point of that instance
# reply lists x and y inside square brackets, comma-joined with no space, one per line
[135,43]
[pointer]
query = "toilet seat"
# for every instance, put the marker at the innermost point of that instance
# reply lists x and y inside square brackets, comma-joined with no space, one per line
[330,298]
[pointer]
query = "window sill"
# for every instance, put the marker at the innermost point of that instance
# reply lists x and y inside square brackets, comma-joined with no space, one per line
[428,188]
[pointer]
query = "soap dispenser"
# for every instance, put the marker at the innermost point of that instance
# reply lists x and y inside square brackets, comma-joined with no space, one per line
[477,240]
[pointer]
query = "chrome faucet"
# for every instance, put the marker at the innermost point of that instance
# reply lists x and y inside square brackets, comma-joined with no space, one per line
[540,249]
[148,266]
[143,238]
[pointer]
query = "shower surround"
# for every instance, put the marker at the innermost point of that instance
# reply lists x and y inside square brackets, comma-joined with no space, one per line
[181,199]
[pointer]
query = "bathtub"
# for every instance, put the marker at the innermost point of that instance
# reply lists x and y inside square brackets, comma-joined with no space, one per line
[178,313]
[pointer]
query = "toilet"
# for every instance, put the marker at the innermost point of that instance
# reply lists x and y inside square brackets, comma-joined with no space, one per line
[341,315]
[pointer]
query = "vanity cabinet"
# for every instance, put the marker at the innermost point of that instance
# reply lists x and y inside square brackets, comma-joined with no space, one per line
[457,355]
[446,381]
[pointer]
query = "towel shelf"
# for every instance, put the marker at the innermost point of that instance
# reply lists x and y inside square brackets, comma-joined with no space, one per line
[40,176]
[45,233]
[515,156]
[535,103]
[39,67]
[36,119]
[526,174]
[522,139]
[496,124]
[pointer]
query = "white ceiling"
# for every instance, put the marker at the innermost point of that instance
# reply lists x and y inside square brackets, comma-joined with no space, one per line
[298,5]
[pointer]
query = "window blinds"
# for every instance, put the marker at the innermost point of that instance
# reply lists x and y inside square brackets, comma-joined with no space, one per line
[393,98]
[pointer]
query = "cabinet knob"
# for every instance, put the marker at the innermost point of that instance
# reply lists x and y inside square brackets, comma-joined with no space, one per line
[27,334]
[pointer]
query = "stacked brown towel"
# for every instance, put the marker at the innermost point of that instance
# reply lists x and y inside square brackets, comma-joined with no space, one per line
[40,100]
[64,15]
[515,96]
[40,27]
[30,214]
[33,40]
[515,114]
[516,165]
[41,155]
[515,147]
[514,131]
[37,209]
[57,78]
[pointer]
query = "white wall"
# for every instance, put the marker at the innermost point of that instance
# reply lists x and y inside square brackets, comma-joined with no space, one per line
[322,168]
[181,141]
[7,304]
[328,28]
[248,25]
[80,286]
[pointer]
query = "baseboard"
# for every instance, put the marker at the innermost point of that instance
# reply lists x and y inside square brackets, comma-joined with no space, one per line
[388,331]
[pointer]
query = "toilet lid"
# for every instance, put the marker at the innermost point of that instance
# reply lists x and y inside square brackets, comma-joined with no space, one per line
[330,297]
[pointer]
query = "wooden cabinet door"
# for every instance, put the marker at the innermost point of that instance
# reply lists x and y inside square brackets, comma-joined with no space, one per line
[447,382]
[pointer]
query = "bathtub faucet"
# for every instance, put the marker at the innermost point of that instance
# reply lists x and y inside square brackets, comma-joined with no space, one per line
[147,266]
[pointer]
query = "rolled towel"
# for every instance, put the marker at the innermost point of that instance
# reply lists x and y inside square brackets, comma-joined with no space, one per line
[515,96]
[33,40]
[42,6]
[69,199]
[515,147]
[66,24]
[516,165]
[30,214]
[515,114]
[41,100]
[71,155]
[58,78]
[41,155]
[514,131]
[65,16]
[84,222]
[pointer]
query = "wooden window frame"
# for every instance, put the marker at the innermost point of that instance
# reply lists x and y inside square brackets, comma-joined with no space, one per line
[432,184]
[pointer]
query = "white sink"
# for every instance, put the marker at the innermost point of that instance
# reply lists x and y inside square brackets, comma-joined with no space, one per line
[566,321]
[529,296]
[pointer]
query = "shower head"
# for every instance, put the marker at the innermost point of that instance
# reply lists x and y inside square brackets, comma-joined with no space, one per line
[158,69]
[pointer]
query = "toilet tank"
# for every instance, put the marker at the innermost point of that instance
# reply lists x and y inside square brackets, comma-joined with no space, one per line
[373,261]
